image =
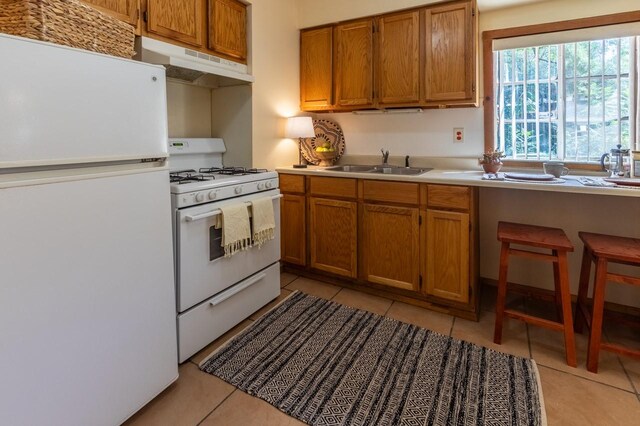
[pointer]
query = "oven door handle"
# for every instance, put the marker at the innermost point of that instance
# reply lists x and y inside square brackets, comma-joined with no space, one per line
[216,212]
[195,217]
[237,289]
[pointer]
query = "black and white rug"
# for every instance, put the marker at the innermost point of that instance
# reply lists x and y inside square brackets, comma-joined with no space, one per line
[328,364]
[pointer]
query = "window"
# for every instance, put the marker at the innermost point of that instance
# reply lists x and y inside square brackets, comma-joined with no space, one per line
[570,87]
[570,101]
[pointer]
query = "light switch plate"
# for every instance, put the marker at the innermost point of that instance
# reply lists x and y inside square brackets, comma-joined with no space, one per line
[458,134]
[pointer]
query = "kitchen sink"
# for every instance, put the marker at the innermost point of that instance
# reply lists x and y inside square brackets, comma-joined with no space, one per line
[399,170]
[391,170]
[351,168]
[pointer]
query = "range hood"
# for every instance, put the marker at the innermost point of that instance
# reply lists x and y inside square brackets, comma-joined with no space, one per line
[192,66]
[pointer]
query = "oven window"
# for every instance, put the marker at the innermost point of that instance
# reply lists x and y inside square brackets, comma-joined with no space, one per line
[215,243]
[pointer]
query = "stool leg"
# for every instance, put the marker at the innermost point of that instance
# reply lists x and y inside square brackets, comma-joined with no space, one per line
[502,292]
[595,335]
[583,290]
[556,281]
[565,294]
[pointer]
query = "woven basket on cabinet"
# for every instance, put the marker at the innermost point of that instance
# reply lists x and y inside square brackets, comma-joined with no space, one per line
[69,23]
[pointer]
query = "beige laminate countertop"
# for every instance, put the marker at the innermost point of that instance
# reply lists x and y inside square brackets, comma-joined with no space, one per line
[472,178]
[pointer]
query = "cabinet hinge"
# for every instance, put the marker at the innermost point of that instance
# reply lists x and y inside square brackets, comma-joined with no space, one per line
[144,16]
[419,220]
[473,87]
[473,11]
[420,281]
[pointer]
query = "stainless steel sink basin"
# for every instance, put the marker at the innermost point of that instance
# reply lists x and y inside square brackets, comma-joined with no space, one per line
[399,170]
[351,168]
[392,170]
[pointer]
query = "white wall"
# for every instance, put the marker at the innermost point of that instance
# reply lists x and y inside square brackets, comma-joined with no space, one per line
[276,91]
[189,110]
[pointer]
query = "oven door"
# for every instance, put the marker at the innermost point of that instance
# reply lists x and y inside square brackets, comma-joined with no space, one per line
[201,268]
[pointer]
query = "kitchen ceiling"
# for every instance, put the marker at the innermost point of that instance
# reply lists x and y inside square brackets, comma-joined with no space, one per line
[486,5]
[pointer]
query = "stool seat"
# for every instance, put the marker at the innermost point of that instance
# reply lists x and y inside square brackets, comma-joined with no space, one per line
[601,250]
[613,248]
[534,236]
[540,237]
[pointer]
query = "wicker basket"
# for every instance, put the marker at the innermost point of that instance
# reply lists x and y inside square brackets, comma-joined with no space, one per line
[69,23]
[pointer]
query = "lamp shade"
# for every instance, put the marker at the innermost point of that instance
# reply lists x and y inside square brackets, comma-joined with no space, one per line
[299,127]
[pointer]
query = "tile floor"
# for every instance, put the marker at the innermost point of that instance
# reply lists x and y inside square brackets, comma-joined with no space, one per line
[573,396]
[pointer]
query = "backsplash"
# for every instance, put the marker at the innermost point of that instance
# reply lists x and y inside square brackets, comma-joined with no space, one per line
[425,134]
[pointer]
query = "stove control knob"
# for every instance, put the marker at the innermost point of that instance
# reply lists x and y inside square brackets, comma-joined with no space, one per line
[212,195]
[260,186]
[268,184]
[238,190]
[199,197]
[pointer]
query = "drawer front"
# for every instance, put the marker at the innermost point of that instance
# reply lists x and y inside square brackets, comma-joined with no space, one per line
[292,183]
[393,192]
[333,187]
[212,318]
[449,197]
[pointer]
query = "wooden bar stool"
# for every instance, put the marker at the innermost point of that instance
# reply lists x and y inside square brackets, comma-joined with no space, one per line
[602,250]
[546,238]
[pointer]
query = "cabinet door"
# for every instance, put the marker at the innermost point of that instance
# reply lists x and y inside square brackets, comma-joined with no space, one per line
[124,10]
[293,229]
[228,28]
[398,59]
[333,235]
[180,20]
[449,68]
[447,255]
[316,68]
[390,246]
[354,64]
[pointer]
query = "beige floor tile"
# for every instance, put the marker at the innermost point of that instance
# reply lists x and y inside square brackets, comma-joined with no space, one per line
[368,302]
[547,348]
[245,410]
[632,367]
[436,321]
[514,334]
[286,278]
[284,293]
[206,351]
[186,402]
[314,288]
[571,400]
[630,337]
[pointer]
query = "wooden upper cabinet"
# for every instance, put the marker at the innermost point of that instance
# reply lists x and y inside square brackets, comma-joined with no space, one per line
[354,64]
[316,68]
[124,10]
[450,42]
[398,58]
[228,28]
[180,20]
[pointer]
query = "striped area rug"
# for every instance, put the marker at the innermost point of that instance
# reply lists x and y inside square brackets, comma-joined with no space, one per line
[327,364]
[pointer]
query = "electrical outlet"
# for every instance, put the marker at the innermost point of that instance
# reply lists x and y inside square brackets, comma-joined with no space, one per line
[458,134]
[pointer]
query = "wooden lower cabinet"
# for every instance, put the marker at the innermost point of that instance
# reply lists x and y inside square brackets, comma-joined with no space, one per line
[447,255]
[333,236]
[293,220]
[390,246]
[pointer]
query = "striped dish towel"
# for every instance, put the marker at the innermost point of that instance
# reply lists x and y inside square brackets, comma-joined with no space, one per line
[236,233]
[264,223]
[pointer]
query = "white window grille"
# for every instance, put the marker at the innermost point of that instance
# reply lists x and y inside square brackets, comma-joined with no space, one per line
[570,102]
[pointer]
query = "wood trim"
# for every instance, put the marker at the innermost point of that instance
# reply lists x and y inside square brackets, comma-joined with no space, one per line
[487,58]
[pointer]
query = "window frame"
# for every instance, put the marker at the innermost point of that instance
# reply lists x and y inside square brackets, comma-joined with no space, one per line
[488,69]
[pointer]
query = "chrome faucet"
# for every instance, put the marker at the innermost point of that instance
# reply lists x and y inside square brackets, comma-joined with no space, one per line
[385,156]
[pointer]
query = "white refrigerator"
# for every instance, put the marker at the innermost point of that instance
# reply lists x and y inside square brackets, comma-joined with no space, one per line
[87,299]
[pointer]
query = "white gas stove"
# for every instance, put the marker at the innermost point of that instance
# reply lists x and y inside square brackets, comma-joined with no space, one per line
[214,293]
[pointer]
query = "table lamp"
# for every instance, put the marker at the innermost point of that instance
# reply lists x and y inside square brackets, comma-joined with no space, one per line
[299,127]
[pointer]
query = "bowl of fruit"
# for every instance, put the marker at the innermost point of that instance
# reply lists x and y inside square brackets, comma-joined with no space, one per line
[326,153]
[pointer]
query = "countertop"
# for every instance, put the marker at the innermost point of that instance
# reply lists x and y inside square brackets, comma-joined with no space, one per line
[473,178]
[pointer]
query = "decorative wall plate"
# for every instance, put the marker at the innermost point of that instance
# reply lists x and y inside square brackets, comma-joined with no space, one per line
[326,131]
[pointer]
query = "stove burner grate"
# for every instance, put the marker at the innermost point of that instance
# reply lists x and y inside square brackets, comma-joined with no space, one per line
[233,171]
[187,176]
